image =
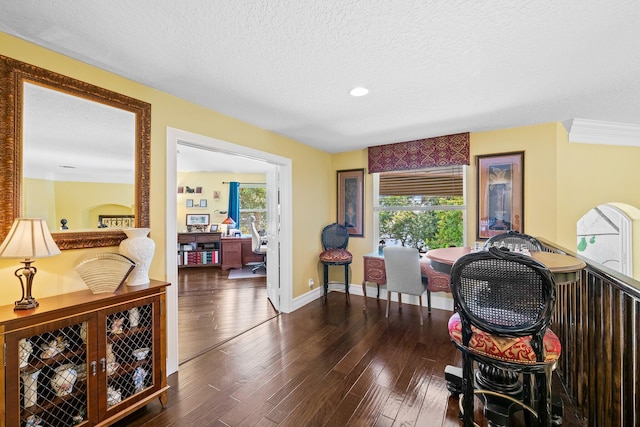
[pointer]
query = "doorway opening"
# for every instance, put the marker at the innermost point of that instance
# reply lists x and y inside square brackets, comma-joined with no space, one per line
[278,177]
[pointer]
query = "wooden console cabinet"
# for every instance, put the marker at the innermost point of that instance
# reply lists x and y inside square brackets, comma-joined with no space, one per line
[83,359]
[199,249]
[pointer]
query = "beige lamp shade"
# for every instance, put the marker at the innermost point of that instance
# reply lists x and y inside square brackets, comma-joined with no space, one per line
[29,238]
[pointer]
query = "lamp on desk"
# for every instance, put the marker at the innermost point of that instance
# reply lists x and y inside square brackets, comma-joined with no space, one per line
[230,223]
[28,238]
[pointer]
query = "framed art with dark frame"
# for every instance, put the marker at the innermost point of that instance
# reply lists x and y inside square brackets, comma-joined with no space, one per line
[197,219]
[500,194]
[351,200]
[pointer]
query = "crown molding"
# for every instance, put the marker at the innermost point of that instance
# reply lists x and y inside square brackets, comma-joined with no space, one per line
[599,132]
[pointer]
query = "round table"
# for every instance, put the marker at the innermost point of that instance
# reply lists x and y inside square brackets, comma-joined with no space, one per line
[565,268]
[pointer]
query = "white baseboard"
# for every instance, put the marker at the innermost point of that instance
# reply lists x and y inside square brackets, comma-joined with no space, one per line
[439,300]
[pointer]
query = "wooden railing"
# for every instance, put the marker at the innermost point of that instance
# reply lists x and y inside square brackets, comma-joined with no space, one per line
[598,322]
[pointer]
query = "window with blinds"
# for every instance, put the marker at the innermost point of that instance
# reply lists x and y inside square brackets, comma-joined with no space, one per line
[423,209]
[439,181]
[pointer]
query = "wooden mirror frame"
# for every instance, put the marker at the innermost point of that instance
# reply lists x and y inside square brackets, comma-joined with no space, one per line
[13,74]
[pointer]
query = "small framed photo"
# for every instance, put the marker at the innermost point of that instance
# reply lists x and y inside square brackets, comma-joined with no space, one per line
[216,195]
[197,219]
[203,203]
[214,227]
[189,203]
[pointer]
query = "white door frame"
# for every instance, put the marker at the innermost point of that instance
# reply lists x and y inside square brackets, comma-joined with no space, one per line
[273,236]
[171,236]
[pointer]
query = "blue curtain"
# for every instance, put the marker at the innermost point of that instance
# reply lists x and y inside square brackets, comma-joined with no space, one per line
[234,202]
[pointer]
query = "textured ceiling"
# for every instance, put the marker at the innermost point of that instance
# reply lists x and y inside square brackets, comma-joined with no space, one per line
[432,67]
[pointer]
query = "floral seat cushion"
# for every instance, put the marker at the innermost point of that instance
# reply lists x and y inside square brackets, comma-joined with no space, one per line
[508,349]
[336,256]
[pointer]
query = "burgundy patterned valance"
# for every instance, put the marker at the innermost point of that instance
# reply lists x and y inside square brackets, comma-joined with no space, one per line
[422,153]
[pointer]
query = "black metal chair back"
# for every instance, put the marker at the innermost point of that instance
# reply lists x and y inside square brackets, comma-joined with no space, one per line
[514,238]
[503,293]
[335,236]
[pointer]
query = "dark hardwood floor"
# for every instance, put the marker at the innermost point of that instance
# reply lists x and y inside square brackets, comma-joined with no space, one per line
[213,308]
[322,365]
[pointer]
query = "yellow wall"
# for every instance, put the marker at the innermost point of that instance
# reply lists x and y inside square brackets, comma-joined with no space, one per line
[38,200]
[590,175]
[79,202]
[538,144]
[210,182]
[311,171]
[358,246]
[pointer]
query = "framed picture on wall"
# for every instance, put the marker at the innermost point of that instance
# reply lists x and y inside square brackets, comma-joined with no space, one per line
[189,203]
[197,219]
[500,194]
[351,201]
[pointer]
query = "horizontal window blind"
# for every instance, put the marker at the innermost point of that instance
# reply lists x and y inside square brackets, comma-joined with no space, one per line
[436,181]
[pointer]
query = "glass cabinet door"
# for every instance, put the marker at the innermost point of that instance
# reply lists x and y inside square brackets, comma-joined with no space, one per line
[129,354]
[52,374]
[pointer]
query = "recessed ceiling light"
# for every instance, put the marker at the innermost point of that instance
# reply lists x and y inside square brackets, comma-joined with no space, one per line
[359,91]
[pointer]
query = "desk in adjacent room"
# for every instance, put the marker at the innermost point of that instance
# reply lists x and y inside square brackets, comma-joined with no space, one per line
[237,251]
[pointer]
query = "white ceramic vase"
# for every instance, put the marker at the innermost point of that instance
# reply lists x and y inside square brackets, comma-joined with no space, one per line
[140,249]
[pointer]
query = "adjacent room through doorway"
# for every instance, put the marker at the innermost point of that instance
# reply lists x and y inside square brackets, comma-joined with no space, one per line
[219,294]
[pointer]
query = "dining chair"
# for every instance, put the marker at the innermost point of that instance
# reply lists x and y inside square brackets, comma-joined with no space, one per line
[258,246]
[436,281]
[514,238]
[504,301]
[335,239]
[403,274]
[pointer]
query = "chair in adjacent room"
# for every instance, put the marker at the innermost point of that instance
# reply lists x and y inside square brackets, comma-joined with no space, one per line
[402,265]
[258,246]
[335,238]
[514,238]
[436,281]
[504,302]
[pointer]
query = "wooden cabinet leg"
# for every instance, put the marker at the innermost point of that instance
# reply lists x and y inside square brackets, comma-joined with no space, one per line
[163,400]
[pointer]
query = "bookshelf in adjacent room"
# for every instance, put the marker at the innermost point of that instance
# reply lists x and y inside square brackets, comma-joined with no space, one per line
[199,249]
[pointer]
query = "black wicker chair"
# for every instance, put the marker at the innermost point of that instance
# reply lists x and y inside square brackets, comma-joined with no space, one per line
[514,238]
[505,301]
[335,239]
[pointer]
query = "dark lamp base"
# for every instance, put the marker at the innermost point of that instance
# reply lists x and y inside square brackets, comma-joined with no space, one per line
[26,304]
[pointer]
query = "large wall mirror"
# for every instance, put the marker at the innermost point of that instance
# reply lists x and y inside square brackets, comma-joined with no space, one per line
[73,153]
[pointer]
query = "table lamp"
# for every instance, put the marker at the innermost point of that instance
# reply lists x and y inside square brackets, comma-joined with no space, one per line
[28,238]
[230,223]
